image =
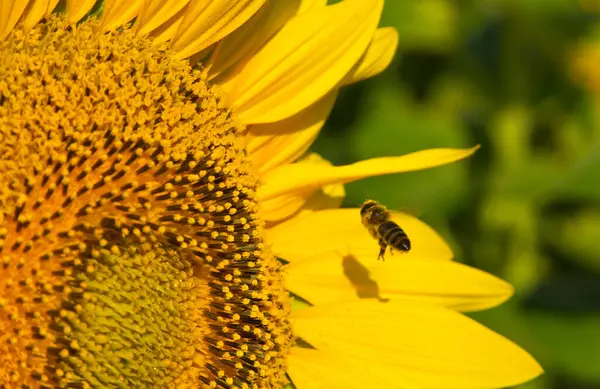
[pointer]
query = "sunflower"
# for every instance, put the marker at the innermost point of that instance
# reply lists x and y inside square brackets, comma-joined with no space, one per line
[158,204]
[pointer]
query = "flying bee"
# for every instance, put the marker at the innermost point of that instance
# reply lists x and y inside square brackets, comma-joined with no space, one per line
[378,221]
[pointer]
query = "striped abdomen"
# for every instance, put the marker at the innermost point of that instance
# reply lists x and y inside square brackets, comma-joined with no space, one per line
[393,235]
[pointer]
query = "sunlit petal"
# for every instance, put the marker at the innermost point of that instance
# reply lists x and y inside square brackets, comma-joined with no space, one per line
[336,233]
[403,344]
[10,12]
[318,369]
[288,187]
[303,61]
[285,141]
[167,30]
[307,5]
[328,197]
[245,41]
[333,278]
[118,12]
[378,56]
[155,13]
[35,11]
[77,9]
[283,208]
[206,22]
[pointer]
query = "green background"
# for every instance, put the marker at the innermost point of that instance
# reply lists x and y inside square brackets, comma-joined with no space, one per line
[526,207]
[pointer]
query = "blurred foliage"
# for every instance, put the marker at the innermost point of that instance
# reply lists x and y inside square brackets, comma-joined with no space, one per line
[521,78]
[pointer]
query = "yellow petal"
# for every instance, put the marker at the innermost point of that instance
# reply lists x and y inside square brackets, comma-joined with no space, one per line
[245,41]
[303,61]
[289,186]
[206,22]
[307,5]
[77,9]
[10,12]
[279,209]
[378,56]
[155,13]
[168,29]
[282,208]
[316,369]
[336,233]
[282,142]
[334,278]
[51,6]
[403,344]
[118,12]
[328,197]
[35,11]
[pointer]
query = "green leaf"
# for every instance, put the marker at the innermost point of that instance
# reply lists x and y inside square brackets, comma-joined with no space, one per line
[422,23]
[578,232]
[583,181]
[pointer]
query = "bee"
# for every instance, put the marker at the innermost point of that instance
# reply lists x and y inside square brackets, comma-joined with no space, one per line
[377,219]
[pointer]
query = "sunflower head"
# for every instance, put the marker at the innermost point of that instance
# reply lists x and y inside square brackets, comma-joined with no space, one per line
[131,251]
[154,164]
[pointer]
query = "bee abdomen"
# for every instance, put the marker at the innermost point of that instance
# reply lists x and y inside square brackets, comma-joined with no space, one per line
[386,228]
[394,235]
[400,240]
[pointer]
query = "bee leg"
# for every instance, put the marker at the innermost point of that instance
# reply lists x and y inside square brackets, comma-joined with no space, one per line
[382,247]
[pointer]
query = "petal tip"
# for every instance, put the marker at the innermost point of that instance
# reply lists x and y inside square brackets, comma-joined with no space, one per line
[530,370]
[474,149]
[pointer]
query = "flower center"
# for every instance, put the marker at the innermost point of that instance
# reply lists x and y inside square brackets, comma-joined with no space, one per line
[131,249]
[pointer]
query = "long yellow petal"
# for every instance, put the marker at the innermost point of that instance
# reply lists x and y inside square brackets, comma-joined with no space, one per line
[166,31]
[35,11]
[280,209]
[77,9]
[155,13]
[338,233]
[316,369]
[378,56]
[245,41]
[327,197]
[289,186]
[404,344]
[282,142]
[334,278]
[304,61]
[118,12]
[206,22]
[10,12]
[307,5]
[51,5]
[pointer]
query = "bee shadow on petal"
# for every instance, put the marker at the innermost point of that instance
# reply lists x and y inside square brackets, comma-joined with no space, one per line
[360,277]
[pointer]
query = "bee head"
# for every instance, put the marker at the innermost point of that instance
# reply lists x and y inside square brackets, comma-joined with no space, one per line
[373,213]
[367,205]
